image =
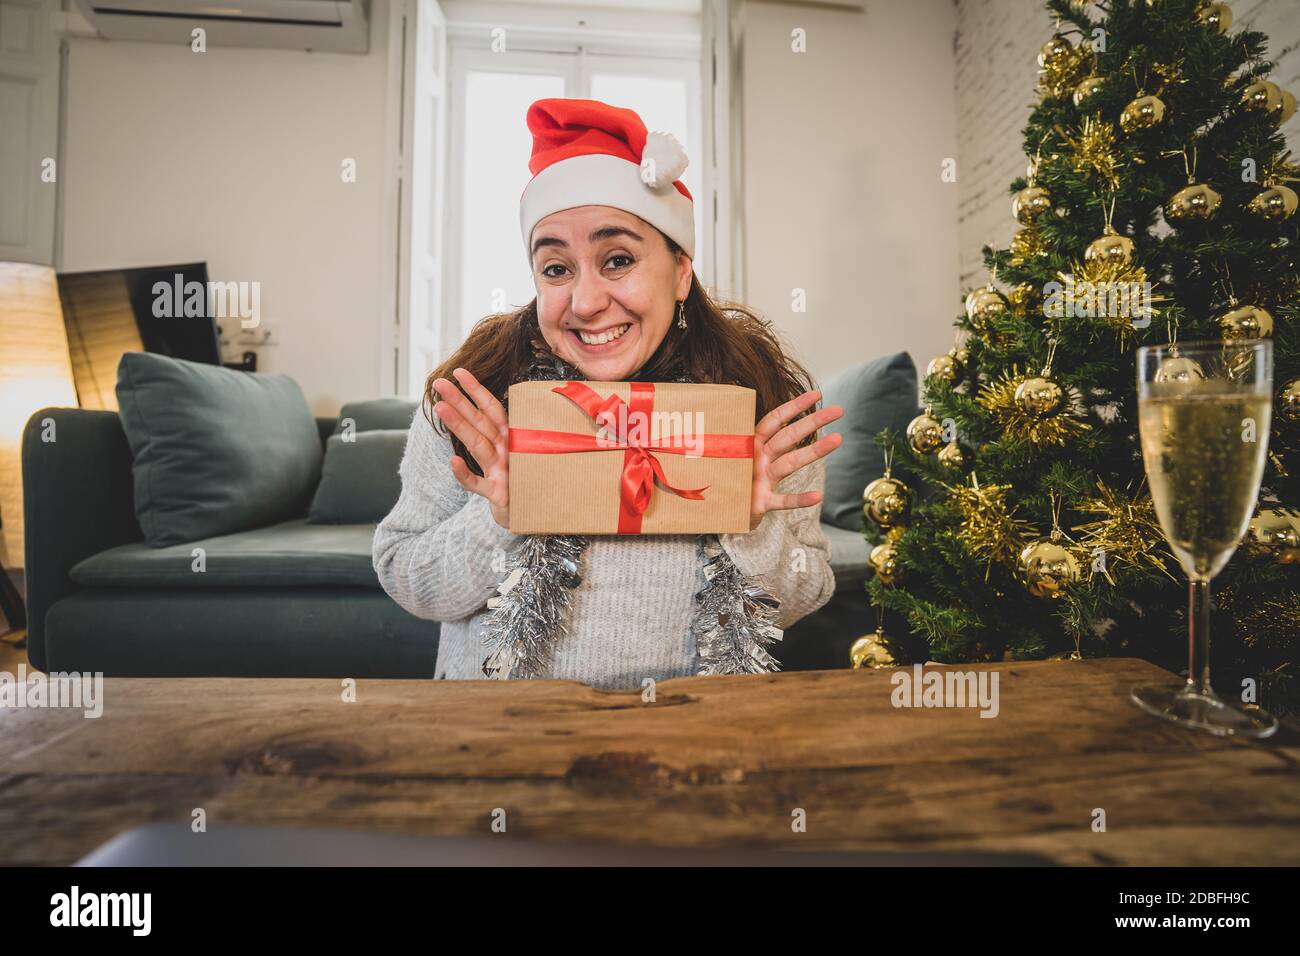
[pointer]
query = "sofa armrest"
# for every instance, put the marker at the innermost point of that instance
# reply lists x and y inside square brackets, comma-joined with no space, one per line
[78,500]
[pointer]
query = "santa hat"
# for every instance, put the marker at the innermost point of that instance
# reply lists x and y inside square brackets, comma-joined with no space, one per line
[587,153]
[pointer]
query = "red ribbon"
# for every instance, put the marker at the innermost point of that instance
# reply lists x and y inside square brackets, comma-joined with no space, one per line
[640,468]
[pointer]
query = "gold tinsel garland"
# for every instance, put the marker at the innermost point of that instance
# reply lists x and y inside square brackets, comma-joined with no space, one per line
[1093,150]
[1021,299]
[1169,74]
[1280,169]
[1028,243]
[998,398]
[1269,623]
[1128,531]
[989,528]
[1098,278]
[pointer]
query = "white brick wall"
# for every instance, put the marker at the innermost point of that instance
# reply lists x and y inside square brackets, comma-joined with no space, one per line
[995,49]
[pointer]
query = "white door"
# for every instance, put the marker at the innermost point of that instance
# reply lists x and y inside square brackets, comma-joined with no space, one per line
[29,130]
[420,37]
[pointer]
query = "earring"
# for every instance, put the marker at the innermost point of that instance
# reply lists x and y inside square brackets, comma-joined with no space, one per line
[681,314]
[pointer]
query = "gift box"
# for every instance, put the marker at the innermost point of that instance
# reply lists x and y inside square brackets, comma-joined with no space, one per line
[630,458]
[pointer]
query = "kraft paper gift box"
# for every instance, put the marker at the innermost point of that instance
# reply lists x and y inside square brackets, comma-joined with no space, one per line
[630,458]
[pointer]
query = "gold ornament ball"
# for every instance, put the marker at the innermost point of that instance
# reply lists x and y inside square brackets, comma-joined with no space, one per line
[1197,201]
[971,298]
[1179,368]
[1287,109]
[870,651]
[1030,203]
[884,561]
[944,368]
[886,502]
[1143,113]
[1288,401]
[1086,88]
[952,456]
[1217,16]
[924,434]
[1274,204]
[1246,322]
[1272,532]
[1039,396]
[960,355]
[1262,95]
[1273,529]
[1110,248]
[1054,50]
[1026,244]
[1048,568]
[989,304]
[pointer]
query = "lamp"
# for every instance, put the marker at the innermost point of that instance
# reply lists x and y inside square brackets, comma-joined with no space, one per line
[35,373]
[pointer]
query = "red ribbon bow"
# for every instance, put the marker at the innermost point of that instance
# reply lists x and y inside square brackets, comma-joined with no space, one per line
[640,467]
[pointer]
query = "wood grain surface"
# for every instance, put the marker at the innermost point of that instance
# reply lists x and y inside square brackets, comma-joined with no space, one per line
[713,760]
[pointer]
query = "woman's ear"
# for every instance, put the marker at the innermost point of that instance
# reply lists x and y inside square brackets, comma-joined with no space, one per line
[685,271]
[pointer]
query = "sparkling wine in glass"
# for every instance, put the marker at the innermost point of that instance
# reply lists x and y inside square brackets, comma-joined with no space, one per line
[1204,411]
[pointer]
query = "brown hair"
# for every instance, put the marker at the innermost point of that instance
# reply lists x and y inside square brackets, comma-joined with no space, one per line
[724,343]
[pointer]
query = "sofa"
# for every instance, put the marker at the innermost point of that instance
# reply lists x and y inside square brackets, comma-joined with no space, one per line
[282,598]
[290,599]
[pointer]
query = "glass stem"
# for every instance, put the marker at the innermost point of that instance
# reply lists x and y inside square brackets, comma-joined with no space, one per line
[1198,635]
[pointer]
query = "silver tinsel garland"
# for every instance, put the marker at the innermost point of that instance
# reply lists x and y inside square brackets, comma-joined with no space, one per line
[733,623]
[735,617]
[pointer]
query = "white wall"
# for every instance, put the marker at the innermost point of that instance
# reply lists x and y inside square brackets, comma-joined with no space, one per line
[233,156]
[843,198]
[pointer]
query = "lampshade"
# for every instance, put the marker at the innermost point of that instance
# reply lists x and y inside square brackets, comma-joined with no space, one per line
[101,328]
[35,372]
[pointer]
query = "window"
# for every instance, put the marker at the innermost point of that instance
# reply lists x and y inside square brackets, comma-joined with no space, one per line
[494,272]
[489,96]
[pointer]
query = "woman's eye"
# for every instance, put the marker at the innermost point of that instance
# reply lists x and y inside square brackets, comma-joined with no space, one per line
[619,261]
[553,275]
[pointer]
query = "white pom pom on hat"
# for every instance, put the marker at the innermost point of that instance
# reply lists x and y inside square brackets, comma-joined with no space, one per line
[588,153]
[662,159]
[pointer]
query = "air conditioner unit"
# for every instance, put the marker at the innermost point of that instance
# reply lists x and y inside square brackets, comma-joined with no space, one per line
[338,26]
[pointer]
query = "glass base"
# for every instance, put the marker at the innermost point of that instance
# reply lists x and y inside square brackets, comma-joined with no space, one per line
[1203,711]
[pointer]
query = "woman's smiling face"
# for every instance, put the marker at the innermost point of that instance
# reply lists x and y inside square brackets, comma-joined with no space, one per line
[607,289]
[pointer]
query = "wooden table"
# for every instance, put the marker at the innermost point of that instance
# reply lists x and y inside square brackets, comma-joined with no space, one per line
[711,761]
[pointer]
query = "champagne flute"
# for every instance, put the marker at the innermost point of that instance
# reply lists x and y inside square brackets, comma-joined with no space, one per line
[1204,411]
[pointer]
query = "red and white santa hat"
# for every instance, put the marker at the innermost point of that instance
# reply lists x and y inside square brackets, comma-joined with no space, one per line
[588,153]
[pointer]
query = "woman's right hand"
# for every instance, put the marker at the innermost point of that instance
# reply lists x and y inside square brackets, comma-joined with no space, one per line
[482,427]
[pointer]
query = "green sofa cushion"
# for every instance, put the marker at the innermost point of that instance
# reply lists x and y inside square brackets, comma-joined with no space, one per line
[878,394]
[849,553]
[290,554]
[359,481]
[374,414]
[214,450]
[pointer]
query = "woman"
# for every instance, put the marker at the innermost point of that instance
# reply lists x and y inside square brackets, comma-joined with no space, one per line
[610,234]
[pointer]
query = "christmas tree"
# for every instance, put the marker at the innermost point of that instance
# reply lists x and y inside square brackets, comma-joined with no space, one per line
[1017,523]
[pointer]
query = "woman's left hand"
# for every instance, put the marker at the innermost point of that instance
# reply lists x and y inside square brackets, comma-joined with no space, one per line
[776,454]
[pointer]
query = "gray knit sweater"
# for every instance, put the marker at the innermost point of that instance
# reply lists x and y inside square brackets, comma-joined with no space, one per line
[439,553]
